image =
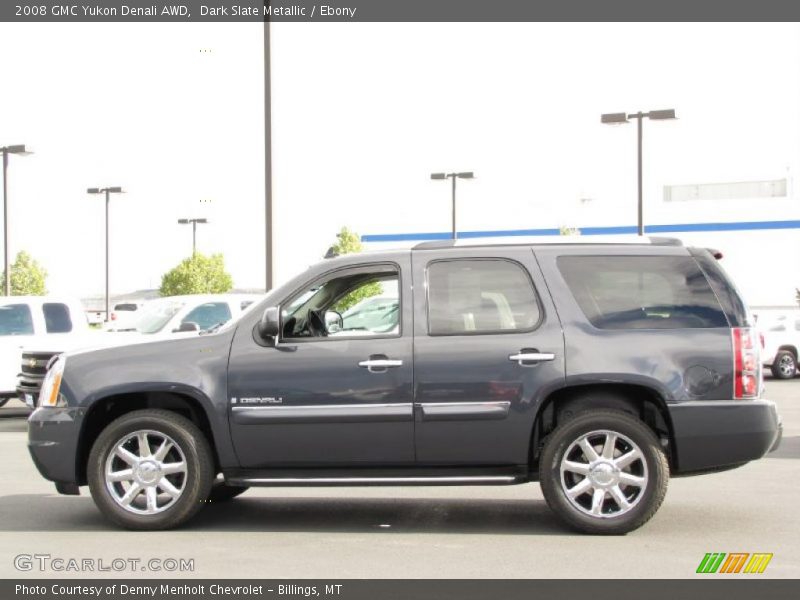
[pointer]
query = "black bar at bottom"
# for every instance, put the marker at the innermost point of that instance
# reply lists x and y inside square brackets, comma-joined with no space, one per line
[707,587]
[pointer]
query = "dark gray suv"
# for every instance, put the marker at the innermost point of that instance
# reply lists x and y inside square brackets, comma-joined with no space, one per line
[596,369]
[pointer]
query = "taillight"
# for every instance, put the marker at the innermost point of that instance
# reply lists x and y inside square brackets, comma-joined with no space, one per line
[113,316]
[746,364]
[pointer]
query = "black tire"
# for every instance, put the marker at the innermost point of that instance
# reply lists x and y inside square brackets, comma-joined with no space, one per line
[222,492]
[198,477]
[647,500]
[784,366]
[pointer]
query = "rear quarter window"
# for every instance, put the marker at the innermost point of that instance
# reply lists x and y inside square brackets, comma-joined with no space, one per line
[642,292]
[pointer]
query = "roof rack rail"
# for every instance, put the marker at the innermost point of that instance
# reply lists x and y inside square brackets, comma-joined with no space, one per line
[560,241]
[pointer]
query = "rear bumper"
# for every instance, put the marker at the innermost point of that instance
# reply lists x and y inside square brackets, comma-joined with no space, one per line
[52,442]
[717,434]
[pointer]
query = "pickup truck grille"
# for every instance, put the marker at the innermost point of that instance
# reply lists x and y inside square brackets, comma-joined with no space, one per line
[34,368]
[35,363]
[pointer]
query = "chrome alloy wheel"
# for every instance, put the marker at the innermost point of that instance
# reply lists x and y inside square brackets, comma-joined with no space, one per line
[603,474]
[787,366]
[145,473]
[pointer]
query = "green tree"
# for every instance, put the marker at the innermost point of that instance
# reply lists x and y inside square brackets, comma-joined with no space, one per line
[564,230]
[27,276]
[349,242]
[198,274]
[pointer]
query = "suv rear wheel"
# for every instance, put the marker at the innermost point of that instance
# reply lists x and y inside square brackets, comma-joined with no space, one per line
[150,469]
[604,472]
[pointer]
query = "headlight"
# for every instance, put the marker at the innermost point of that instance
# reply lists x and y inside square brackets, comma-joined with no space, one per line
[50,395]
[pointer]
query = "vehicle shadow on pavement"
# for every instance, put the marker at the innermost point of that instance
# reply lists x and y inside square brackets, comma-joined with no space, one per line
[46,512]
[789,448]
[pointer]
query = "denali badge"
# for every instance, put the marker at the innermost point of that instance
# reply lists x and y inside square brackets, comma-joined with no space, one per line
[265,400]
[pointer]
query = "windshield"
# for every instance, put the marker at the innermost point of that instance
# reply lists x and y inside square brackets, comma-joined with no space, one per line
[153,316]
[16,319]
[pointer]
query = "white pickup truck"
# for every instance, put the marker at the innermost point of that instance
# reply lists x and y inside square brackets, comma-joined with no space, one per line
[170,317]
[26,320]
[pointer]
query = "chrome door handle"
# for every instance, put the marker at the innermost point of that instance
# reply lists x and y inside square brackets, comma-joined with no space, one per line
[378,365]
[531,357]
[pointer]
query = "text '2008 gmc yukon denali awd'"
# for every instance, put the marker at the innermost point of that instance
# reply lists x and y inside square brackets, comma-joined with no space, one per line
[596,369]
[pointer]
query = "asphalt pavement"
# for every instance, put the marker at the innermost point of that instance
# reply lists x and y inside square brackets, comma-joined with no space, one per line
[412,532]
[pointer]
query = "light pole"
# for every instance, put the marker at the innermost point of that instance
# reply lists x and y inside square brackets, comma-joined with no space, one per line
[194,223]
[269,221]
[6,150]
[107,191]
[453,177]
[621,118]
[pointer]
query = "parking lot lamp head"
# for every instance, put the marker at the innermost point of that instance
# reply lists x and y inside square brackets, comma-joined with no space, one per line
[614,118]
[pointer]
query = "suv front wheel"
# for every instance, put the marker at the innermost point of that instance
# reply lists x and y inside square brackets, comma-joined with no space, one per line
[150,469]
[604,472]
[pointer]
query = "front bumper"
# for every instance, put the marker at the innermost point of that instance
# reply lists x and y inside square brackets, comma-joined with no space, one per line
[722,433]
[53,435]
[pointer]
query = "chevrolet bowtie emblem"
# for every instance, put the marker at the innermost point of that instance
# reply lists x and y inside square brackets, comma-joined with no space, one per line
[32,362]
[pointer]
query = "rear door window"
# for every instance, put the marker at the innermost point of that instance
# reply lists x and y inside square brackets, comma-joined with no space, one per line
[480,297]
[642,292]
[209,314]
[56,317]
[16,319]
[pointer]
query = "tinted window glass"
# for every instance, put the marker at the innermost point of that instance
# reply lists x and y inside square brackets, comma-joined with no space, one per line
[642,292]
[56,318]
[209,314]
[16,319]
[128,307]
[480,296]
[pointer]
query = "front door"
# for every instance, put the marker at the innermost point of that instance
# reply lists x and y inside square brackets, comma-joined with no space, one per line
[336,390]
[488,347]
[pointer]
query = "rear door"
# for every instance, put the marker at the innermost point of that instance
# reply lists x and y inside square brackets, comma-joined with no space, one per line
[487,348]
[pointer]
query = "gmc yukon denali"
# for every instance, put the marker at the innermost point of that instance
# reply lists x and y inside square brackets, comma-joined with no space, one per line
[596,369]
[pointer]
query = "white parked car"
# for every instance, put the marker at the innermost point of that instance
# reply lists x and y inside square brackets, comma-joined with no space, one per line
[176,315]
[781,338]
[37,320]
